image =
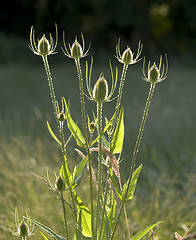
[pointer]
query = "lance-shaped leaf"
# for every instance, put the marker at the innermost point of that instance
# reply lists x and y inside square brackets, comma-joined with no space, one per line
[48,230]
[78,170]
[111,214]
[132,185]
[65,173]
[73,127]
[105,129]
[105,229]
[115,188]
[105,142]
[77,235]
[142,233]
[84,216]
[52,134]
[45,238]
[118,137]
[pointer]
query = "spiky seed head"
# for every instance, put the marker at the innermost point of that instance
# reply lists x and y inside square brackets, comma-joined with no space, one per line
[23,229]
[43,46]
[127,56]
[76,50]
[60,184]
[153,74]
[100,90]
[61,116]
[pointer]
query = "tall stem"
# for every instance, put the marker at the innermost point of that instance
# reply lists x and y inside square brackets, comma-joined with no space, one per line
[136,149]
[65,216]
[120,92]
[99,123]
[122,81]
[64,154]
[105,199]
[50,83]
[60,127]
[77,61]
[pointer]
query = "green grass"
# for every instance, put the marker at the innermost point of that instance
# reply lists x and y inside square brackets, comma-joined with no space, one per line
[166,187]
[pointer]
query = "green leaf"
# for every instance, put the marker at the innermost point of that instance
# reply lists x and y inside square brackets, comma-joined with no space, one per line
[45,238]
[115,185]
[86,223]
[105,229]
[132,185]
[142,233]
[105,142]
[105,129]
[85,216]
[118,137]
[77,174]
[77,235]
[73,127]
[52,134]
[48,230]
[111,214]
[65,173]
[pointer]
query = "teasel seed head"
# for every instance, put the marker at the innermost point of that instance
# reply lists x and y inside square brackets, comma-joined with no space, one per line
[100,90]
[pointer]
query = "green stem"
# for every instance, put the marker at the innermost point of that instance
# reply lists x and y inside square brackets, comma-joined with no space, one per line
[60,124]
[65,216]
[118,103]
[99,123]
[105,199]
[135,152]
[50,83]
[64,154]
[91,187]
[77,61]
[120,92]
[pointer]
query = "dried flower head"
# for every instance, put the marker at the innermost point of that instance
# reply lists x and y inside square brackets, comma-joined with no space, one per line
[128,56]
[76,51]
[156,74]
[44,47]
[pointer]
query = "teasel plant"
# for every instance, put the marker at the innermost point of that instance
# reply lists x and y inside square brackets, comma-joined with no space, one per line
[77,52]
[44,48]
[154,76]
[23,229]
[127,58]
[99,221]
[100,95]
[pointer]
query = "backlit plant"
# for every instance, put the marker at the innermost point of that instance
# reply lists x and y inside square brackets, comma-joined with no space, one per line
[96,217]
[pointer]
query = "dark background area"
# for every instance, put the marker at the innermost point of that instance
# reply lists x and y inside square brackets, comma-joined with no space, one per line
[162,26]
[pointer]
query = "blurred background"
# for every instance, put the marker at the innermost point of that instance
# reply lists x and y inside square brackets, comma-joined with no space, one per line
[166,189]
[162,25]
